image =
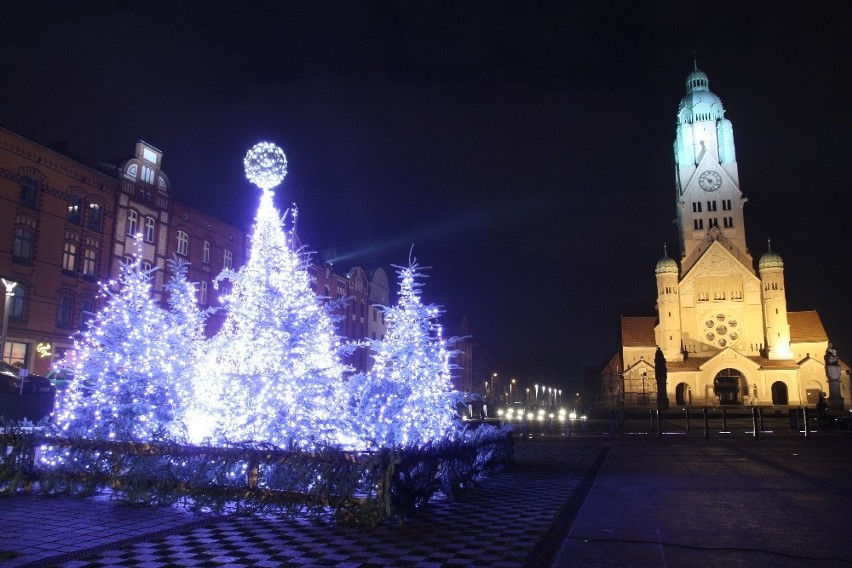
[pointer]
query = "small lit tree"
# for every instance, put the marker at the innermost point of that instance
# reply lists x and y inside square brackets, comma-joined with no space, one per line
[124,365]
[407,397]
[186,323]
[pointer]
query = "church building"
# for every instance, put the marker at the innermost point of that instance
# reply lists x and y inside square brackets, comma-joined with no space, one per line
[722,334]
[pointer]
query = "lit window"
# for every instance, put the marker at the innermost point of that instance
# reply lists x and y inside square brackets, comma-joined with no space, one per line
[202,293]
[75,210]
[182,243]
[22,247]
[227,259]
[132,222]
[205,253]
[150,225]
[146,266]
[90,261]
[69,257]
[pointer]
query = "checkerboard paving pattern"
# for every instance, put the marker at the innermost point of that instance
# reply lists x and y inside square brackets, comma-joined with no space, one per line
[514,518]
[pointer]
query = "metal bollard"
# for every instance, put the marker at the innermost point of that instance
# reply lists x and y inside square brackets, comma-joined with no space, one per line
[651,415]
[706,425]
[754,421]
[805,420]
[724,420]
[659,425]
[686,410]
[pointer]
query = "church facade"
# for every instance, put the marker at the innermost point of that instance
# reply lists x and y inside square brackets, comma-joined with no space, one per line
[722,334]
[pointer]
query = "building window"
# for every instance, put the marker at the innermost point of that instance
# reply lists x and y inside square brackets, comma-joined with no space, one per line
[696,207]
[22,247]
[66,308]
[726,205]
[150,226]
[94,216]
[69,257]
[90,258]
[728,222]
[202,293]
[711,206]
[698,224]
[75,210]
[15,353]
[713,223]
[227,259]
[205,253]
[29,191]
[182,243]
[132,222]
[87,312]
[16,305]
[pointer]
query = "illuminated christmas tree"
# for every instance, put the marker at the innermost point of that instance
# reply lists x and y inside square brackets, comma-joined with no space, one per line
[186,324]
[273,373]
[125,365]
[407,398]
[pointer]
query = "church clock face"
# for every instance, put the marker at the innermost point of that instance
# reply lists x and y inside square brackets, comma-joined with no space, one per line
[710,180]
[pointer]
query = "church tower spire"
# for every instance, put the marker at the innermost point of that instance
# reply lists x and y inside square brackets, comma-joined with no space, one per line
[709,200]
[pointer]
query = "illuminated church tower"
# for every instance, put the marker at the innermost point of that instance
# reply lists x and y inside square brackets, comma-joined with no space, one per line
[722,326]
[709,200]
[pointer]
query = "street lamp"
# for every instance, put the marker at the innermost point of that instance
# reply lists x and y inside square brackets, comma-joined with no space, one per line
[644,400]
[536,395]
[10,293]
[528,398]
[511,397]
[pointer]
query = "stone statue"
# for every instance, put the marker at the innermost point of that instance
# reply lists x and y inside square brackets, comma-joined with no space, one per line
[831,355]
[832,373]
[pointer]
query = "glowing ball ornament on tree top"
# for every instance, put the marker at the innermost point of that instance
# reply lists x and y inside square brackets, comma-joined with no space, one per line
[265,165]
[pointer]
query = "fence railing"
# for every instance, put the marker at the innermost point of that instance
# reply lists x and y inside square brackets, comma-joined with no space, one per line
[353,487]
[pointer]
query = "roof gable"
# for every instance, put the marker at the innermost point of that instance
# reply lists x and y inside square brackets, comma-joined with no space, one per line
[718,262]
[806,327]
[728,356]
[638,331]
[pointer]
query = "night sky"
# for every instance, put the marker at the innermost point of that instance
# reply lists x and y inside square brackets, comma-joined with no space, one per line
[523,148]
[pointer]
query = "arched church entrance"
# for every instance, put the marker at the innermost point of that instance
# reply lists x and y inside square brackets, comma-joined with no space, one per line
[730,386]
[779,393]
[683,395]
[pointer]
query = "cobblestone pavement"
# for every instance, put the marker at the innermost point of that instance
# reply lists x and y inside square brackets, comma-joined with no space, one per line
[514,518]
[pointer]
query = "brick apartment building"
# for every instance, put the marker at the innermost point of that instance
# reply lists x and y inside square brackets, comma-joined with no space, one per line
[66,222]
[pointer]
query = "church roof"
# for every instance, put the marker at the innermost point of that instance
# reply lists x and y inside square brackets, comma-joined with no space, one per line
[806,327]
[638,331]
